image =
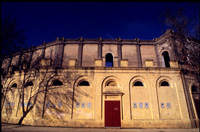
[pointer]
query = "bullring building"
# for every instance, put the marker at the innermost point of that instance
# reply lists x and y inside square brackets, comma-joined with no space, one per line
[127,83]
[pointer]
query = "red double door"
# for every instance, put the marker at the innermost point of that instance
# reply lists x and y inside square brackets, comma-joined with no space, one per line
[112,114]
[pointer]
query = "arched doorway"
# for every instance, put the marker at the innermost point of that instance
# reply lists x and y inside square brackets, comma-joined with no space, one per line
[112,102]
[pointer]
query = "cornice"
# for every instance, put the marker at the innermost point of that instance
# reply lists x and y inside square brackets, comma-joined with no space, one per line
[100,40]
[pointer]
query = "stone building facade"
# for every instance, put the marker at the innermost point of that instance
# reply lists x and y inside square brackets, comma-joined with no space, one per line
[127,83]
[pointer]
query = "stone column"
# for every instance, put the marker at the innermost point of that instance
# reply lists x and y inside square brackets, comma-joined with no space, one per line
[20,57]
[174,48]
[43,54]
[157,56]
[139,58]
[31,57]
[119,51]
[100,48]
[10,61]
[80,52]
[63,47]
[58,55]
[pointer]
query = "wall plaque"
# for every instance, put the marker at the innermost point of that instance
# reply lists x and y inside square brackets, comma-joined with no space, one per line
[47,104]
[83,105]
[168,105]
[59,103]
[77,105]
[89,105]
[146,105]
[134,105]
[162,105]
[140,105]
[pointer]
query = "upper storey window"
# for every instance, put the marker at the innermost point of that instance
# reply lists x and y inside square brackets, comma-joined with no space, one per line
[138,83]
[84,83]
[111,83]
[109,60]
[14,85]
[164,83]
[166,59]
[29,84]
[57,83]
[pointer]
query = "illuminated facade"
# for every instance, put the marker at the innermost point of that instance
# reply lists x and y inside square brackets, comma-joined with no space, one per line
[100,83]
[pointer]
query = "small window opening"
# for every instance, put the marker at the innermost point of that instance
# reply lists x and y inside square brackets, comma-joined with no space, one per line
[109,60]
[84,83]
[138,83]
[164,83]
[165,55]
[111,83]
[29,84]
[14,85]
[57,83]
[194,88]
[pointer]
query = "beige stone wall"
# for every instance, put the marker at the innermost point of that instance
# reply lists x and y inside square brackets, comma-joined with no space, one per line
[5,63]
[15,60]
[50,52]
[26,57]
[129,52]
[148,53]
[72,105]
[89,55]
[36,55]
[151,93]
[70,52]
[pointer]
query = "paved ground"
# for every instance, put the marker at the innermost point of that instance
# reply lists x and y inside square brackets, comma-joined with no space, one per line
[22,128]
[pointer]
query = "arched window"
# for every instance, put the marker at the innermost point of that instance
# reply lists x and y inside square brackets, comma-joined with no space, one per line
[14,85]
[164,83]
[138,83]
[111,83]
[29,84]
[109,60]
[57,83]
[166,59]
[84,83]
[194,88]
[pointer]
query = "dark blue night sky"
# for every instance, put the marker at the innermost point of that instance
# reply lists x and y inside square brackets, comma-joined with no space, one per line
[45,21]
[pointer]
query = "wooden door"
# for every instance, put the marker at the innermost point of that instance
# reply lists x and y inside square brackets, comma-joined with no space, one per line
[112,114]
